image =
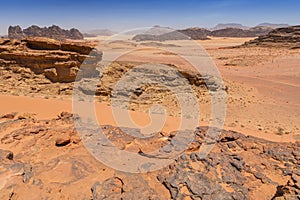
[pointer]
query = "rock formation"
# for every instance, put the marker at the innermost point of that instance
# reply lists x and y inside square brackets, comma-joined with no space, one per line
[16,32]
[196,33]
[236,32]
[281,37]
[229,25]
[174,35]
[55,32]
[273,25]
[238,167]
[158,33]
[99,32]
[48,67]
[203,34]
[58,61]
[139,94]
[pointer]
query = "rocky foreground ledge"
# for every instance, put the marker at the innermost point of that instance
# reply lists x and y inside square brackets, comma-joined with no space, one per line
[45,159]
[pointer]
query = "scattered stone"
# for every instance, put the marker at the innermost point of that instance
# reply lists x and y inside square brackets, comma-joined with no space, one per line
[28,173]
[9,115]
[62,141]
[220,175]
[110,189]
[26,116]
[126,186]
[4,154]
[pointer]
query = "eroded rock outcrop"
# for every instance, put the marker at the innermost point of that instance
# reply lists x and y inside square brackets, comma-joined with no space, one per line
[281,37]
[237,32]
[58,61]
[238,167]
[139,86]
[196,33]
[55,32]
[165,34]
[203,34]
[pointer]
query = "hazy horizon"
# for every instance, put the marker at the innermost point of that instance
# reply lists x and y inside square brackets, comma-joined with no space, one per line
[118,15]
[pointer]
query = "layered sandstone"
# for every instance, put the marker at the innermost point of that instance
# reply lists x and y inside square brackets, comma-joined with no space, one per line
[58,61]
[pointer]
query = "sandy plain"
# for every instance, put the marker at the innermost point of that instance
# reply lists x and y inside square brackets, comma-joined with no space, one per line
[262,99]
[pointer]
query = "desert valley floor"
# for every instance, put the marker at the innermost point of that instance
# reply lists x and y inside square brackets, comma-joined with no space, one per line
[256,157]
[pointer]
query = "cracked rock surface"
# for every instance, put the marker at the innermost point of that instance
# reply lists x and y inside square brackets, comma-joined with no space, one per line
[238,167]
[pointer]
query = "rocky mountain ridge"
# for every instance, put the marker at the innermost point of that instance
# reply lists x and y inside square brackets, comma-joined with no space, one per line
[281,37]
[54,32]
[203,34]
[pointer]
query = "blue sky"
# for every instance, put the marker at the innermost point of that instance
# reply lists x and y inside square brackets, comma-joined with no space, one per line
[122,15]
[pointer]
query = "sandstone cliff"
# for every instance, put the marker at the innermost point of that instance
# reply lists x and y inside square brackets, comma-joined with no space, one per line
[58,61]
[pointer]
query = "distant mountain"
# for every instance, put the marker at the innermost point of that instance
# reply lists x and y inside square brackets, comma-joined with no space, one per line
[202,34]
[158,33]
[155,30]
[174,35]
[229,25]
[273,25]
[196,33]
[158,30]
[280,37]
[162,34]
[54,32]
[99,32]
[237,32]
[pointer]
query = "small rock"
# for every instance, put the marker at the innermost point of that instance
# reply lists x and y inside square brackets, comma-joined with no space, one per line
[9,115]
[10,155]
[4,154]
[27,174]
[76,140]
[26,116]
[62,141]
